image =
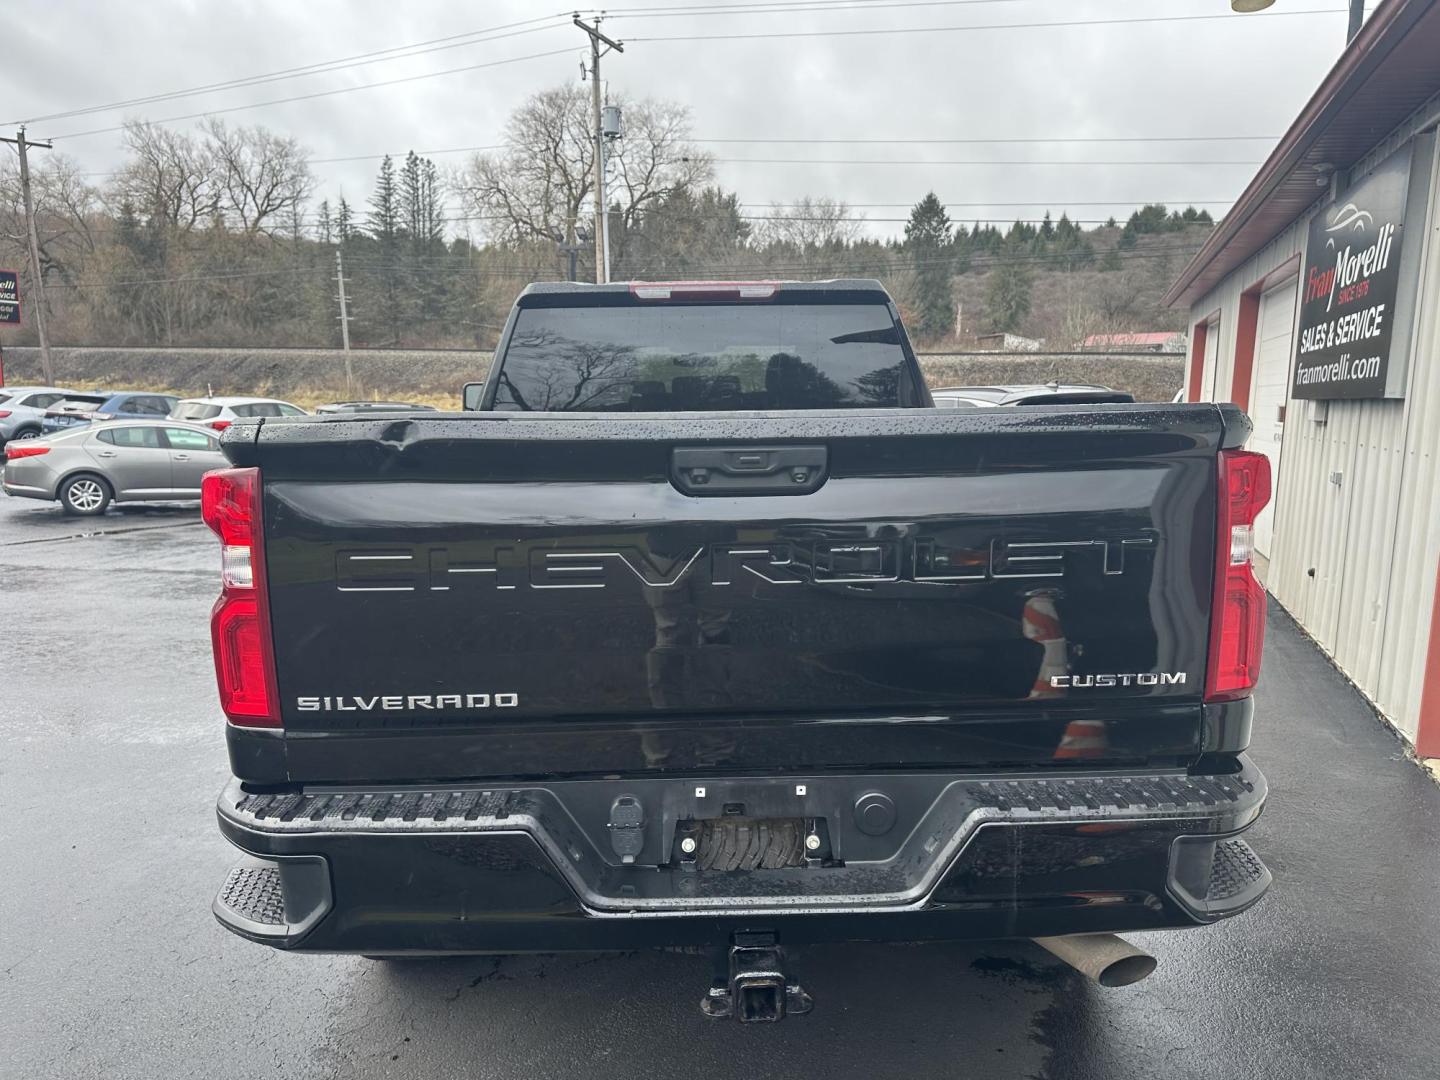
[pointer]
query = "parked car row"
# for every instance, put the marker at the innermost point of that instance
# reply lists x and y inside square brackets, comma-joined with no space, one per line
[87,449]
[28,412]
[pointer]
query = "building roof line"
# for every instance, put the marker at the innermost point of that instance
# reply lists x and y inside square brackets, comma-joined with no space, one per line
[1237,236]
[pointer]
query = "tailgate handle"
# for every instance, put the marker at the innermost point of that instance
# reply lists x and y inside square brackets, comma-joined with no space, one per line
[748,470]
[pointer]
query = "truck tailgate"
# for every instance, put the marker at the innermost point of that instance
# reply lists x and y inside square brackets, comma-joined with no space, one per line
[510,593]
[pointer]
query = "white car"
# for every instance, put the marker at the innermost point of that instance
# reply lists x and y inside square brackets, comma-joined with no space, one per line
[22,409]
[220,412]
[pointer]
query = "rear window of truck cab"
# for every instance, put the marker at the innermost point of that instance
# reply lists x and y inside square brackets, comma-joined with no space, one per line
[680,357]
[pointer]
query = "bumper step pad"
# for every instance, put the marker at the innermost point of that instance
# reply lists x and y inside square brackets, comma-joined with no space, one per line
[254,893]
[1236,872]
[275,900]
[1217,877]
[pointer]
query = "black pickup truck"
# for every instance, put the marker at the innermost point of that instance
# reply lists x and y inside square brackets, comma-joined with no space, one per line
[708,630]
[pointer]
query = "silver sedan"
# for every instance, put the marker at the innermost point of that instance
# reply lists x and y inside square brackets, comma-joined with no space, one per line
[122,461]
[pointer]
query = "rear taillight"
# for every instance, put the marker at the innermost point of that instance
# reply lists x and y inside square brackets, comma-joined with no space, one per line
[220,425]
[4,414]
[17,450]
[1237,626]
[240,621]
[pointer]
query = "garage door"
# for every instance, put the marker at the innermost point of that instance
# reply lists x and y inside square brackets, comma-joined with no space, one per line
[1269,387]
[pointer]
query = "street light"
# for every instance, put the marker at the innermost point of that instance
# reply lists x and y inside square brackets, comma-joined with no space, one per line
[1357,13]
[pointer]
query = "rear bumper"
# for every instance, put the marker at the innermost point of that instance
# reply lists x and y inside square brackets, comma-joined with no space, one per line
[537,867]
[26,491]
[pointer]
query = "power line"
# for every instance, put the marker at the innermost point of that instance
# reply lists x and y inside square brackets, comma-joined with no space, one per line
[1045,203]
[364,157]
[327,93]
[781,6]
[921,161]
[881,257]
[851,141]
[787,7]
[420,153]
[886,31]
[363,58]
[983,142]
[324,270]
[323,67]
[857,261]
[675,214]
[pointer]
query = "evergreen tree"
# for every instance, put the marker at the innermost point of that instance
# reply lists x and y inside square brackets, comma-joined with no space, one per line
[412,197]
[1007,296]
[420,235]
[928,240]
[325,223]
[386,228]
[929,226]
[1047,227]
[344,221]
[688,228]
[385,206]
[1020,235]
[433,223]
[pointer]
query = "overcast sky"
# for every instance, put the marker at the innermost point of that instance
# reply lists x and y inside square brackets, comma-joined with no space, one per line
[1234,75]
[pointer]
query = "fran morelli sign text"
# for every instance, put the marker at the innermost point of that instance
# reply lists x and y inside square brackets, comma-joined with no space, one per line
[1350,285]
[9,298]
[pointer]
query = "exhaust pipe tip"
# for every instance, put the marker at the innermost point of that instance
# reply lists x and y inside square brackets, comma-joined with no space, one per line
[1103,958]
[1127,970]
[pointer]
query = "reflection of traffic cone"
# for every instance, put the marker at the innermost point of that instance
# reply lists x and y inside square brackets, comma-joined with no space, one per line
[1041,622]
[1083,739]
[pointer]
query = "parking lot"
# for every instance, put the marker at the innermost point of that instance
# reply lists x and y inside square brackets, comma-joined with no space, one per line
[111,964]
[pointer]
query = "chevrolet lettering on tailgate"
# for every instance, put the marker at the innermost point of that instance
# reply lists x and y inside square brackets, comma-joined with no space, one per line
[434,569]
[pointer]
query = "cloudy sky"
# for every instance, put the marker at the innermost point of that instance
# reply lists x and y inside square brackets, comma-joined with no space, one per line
[786,76]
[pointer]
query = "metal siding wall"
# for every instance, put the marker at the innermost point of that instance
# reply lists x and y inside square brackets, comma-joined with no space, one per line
[1373,541]
[1415,540]
[1226,297]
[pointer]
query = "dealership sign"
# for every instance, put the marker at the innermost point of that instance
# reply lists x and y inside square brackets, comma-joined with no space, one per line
[9,298]
[1353,283]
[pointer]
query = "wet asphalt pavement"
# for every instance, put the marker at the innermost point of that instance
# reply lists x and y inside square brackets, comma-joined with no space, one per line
[111,965]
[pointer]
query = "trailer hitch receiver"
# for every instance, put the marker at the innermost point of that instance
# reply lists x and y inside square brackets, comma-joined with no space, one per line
[751,984]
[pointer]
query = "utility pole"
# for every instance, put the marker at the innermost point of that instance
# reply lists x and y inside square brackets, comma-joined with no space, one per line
[1357,17]
[572,250]
[344,321]
[22,144]
[596,37]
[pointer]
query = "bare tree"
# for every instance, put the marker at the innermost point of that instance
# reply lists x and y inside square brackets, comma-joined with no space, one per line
[540,185]
[170,178]
[264,178]
[810,224]
[655,160]
[812,234]
[65,208]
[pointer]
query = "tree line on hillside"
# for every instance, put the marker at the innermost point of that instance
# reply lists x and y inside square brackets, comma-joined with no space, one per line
[223,236]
